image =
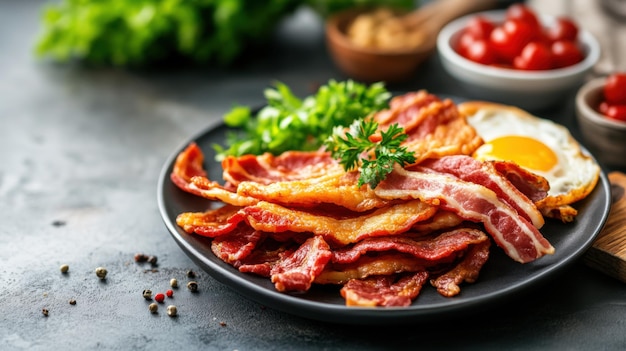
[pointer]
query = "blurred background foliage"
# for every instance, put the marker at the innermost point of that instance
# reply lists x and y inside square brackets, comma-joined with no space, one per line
[145,32]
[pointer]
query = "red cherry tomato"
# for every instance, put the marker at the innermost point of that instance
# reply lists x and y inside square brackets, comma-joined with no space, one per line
[616,112]
[509,39]
[522,13]
[534,56]
[465,40]
[615,89]
[480,27]
[563,29]
[566,53]
[480,51]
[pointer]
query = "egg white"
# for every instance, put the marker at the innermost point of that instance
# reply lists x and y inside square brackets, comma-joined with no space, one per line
[574,172]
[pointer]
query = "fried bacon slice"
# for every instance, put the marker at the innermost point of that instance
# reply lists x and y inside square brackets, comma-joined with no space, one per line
[394,219]
[431,250]
[434,127]
[298,271]
[211,223]
[338,188]
[484,173]
[519,239]
[237,245]
[391,255]
[288,166]
[189,175]
[384,290]
[467,270]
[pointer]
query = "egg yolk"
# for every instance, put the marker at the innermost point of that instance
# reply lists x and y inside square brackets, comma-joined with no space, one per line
[526,152]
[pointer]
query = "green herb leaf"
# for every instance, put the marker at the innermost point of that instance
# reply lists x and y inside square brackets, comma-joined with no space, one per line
[355,149]
[290,123]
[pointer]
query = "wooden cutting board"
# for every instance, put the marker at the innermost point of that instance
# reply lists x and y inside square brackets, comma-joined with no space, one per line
[608,252]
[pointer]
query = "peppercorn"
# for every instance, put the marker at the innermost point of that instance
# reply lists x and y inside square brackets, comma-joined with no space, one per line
[64,268]
[153,307]
[159,297]
[192,286]
[101,272]
[72,302]
[169,293]
[139,257]
[191,274]
[174,283]
[171,310]
[44,311]
[152,260]
[147,294]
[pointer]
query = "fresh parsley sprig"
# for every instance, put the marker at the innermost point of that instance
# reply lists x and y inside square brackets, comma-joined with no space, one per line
[288,122]
[360,147]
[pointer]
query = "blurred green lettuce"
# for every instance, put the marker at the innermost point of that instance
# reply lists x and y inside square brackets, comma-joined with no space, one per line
[142,32]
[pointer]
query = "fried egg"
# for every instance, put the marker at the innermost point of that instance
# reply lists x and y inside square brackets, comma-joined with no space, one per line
[539,145]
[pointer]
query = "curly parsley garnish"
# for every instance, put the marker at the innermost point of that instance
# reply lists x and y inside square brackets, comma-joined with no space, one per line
[290,123]
[374,154]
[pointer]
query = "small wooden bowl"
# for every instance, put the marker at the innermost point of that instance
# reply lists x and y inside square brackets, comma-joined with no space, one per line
[371,65]
[605,138]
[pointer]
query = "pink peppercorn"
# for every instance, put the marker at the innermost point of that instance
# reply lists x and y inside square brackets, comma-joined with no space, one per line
[159,297]
[169,293]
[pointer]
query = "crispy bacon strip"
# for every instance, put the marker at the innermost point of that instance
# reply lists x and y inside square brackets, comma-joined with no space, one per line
[484,173]
[390,220]
[534,186]
[431,250]
[267,168]
[383,291]
[298,271]
[211,223]
[385,263]
[467,270]
[189,175]
[236,245]
[435,128]
[514,234]
[338,188]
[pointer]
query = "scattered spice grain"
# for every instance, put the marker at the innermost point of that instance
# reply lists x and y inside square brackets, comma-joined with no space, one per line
[192,286]
[169,293]
[153,307]
[101,272]
[147,294]
[191,274]
[159,297]
[152,260]
[171,310]
[139,257]
[174,283]
[44,311]
[72,302]
[64,268]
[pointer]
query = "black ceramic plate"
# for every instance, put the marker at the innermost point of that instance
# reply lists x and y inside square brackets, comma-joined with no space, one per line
[500,279]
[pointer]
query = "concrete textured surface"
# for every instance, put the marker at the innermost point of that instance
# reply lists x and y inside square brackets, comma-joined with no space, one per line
[80,154]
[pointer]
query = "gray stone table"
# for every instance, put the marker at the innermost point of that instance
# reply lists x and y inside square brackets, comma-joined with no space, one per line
[80,155]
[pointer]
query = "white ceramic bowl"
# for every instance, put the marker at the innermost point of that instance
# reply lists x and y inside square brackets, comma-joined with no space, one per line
[530,90]
[604,137]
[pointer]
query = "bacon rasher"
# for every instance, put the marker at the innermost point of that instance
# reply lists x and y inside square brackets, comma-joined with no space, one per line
[384,290]
[484,173]
[189,175]
[394,219]
[519,239]
[298,271]
[290,165]
[336,188]
[395,254]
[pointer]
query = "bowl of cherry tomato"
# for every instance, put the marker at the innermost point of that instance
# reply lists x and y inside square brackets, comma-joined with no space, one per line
[601,116]
[517,57]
